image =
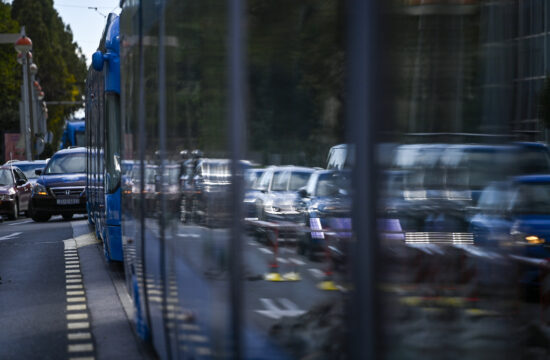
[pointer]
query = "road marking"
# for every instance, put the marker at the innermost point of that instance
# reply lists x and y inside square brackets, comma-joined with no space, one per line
[197,338]
[316,273]
[79,336]
[265,251]
[195,236]
[76,299]
[282,261]
[21,222]
[288,309]
[191,327]
[81,347]
[77,316]
[78,325]
[10,236]
[76,292]
[252,243]
[70,287]
[297,261]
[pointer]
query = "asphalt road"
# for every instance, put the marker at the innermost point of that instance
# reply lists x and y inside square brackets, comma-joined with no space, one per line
[58,297]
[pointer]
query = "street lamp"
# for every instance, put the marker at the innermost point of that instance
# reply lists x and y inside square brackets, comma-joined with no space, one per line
[23,46]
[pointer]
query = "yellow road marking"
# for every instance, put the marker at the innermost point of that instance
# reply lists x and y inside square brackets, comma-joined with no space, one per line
[75,292]
[76,307]
[77,316]
[76,299]
[74,286]
[80,347]
[79,336]
[78,325]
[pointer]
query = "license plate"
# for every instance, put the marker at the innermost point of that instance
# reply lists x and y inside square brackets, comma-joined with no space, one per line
[68,201]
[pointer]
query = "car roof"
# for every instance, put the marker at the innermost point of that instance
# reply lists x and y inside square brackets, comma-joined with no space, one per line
[71,151]
[25,162]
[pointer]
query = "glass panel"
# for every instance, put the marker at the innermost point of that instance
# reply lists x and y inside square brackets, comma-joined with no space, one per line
[296,67]
[112,145]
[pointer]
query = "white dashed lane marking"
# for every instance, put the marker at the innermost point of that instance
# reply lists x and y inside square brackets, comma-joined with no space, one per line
[265,250]
[80,339]
[10,236]
[316,273]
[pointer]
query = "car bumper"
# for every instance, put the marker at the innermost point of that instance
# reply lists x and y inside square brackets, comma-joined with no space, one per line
[6,207]
[49,205]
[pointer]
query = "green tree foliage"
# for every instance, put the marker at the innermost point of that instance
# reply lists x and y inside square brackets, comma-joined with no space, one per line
[61,64]
[9,76]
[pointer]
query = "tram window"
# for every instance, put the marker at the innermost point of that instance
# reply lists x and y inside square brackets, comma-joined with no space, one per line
[112,145]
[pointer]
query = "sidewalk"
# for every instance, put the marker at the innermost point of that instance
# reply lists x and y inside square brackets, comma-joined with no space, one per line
[109,304]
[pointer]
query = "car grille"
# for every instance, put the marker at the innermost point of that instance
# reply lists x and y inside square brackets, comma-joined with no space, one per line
[67,191]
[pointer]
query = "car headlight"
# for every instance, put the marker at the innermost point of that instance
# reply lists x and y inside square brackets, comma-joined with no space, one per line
[526,239]
[39,189]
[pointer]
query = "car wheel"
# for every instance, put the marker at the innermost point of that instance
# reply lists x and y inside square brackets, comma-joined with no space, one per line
[40,217]
[67,216]
[15,211]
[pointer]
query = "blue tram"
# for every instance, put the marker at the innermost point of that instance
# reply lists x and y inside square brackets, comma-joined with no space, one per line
[104,139]
[73,134]
[186,99]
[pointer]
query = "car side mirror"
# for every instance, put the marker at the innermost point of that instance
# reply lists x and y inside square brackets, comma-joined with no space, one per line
[20,182]
[38,171]
[303,193]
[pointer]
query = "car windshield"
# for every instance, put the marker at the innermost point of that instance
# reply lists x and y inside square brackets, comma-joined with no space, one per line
[5,177]
[532,198]
[66,164]
[28,169]
[332,185]
[298,180]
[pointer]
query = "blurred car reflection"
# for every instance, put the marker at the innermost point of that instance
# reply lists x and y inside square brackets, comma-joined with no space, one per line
[327,212]
[205,191]
[515,216]
[255,191]
[280,200]
[431,186]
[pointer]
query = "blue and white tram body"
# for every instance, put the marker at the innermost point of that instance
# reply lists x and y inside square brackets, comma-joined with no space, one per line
[104,163]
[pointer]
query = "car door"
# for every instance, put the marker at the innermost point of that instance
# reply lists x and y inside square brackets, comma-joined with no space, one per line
[24,189]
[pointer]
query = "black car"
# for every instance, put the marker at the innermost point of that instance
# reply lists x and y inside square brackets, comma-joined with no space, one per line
[61,187]
[15,191]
